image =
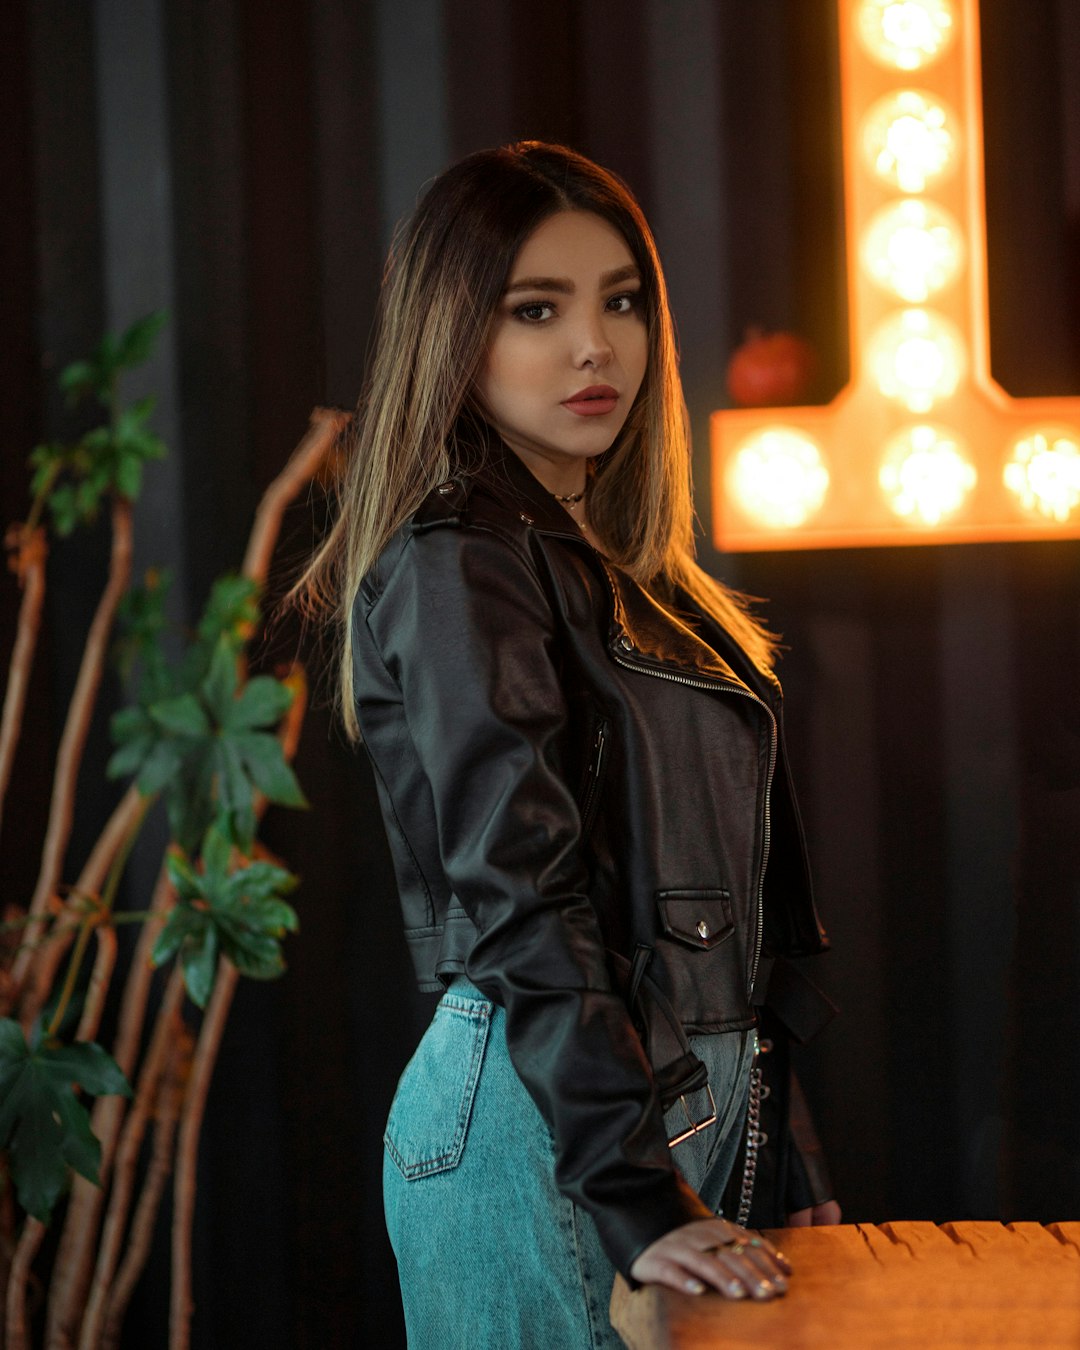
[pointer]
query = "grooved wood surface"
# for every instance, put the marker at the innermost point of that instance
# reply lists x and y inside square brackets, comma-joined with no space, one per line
[876,1287]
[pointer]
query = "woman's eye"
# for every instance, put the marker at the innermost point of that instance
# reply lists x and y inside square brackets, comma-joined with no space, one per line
[625,303]
[536,311]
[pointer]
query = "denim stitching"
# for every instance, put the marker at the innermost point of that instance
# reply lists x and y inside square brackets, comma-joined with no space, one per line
[582,1276]
[480,1013]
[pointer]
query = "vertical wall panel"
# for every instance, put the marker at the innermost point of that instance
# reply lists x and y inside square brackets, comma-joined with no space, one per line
[688,210]
[979,750]
[138,252]
[413,122]
[347,176]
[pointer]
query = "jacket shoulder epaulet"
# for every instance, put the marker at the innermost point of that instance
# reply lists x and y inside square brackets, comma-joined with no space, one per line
[465,501]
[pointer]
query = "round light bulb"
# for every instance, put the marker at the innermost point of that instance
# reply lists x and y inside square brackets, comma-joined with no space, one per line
[913,249]
[905,34]
[918,358]
[925,474]
[1043,470]
[910,139]
[778,477]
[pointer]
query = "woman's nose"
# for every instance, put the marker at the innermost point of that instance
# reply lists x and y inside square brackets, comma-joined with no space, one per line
[593,346]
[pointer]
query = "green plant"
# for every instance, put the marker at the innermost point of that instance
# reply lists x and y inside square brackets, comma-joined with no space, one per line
[212,744]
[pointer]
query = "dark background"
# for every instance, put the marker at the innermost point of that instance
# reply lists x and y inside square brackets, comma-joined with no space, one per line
[243,164]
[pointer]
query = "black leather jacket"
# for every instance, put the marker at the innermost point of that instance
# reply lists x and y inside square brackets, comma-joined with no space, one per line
[567,770]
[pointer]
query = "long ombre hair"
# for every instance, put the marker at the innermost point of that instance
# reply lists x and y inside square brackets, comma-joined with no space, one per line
[415,424]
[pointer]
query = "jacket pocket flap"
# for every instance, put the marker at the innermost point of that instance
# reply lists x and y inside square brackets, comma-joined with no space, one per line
[701,919]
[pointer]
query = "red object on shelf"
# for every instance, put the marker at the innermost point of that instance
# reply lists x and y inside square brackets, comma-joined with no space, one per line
[771,370]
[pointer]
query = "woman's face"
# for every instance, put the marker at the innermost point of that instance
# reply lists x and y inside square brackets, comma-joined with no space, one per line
[568,346]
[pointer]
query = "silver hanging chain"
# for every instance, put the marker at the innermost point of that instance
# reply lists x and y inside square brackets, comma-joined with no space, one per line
[754,1140]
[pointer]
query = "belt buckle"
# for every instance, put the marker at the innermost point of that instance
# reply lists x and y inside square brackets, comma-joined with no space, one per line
[695,1126]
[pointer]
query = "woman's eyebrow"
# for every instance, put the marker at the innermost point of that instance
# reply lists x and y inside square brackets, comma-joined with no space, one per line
[564,286]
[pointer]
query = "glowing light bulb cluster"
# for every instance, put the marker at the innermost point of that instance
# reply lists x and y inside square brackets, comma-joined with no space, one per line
[1043,471]
[913,249]
[922,445]
[911,140]
[917,357]
[779,477]
[926,474]
[906,34]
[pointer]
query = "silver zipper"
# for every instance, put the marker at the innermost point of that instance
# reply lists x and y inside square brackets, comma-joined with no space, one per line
[591,793]
[714,683]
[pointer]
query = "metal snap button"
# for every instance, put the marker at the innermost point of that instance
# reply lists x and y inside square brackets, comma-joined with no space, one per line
[626,644]
[765,1045]
[444,488]
[703,928]
[526,518]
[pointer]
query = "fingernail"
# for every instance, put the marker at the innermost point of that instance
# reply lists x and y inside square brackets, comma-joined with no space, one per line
[694,1287]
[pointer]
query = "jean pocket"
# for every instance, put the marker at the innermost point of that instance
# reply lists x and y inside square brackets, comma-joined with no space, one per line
[429,1117]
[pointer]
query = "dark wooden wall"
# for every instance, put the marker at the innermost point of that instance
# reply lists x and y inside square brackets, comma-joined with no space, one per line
[244,164]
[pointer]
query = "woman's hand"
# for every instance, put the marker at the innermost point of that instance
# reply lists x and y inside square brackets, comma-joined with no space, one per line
[716,1254]
[827,1212]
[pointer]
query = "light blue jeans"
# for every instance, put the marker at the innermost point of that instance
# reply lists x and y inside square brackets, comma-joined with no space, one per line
[490,1255]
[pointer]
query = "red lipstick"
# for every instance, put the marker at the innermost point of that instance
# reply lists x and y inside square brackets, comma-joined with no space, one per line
[593,401]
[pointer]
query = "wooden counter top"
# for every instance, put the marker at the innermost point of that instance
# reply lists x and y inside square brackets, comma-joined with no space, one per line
[876,1287]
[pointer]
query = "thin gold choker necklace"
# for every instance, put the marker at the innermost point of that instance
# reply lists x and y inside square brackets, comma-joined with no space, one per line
[572,499]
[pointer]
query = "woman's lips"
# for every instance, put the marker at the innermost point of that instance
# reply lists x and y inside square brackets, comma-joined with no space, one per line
[594,401]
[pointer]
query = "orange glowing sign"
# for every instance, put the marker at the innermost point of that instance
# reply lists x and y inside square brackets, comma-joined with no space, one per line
[922,446]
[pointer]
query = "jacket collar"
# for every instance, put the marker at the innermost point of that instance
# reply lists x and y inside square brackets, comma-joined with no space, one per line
[513,481]
[643,630]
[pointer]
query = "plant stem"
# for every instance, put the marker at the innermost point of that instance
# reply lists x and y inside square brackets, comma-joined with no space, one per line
[170,1099]
[108,896]
[42,495]
[32,552]
[72,975]
[35,983]
[77,724]
[16,1322]
[116,871]
[210,1033]
[120,1132]
[302,466]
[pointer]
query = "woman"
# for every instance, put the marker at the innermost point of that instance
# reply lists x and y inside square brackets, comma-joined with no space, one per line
[575,734]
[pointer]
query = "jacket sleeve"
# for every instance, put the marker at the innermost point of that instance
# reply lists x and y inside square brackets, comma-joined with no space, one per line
[465,629]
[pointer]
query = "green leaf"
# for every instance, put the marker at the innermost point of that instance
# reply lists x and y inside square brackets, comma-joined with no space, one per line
[79,379]
[87,1064]
[141,625]
[198,962]
[129,758]
[128,479]
[262,702]
[134,416]
[216,856]
[232,607]
[137,343]
[79,1147]
[183,923]
[219,687]
[183,875]
[235,796]
[264,760]
[259,881]
[161,765]
[183,715]
[62,505]
[42,1123]
[239,914]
